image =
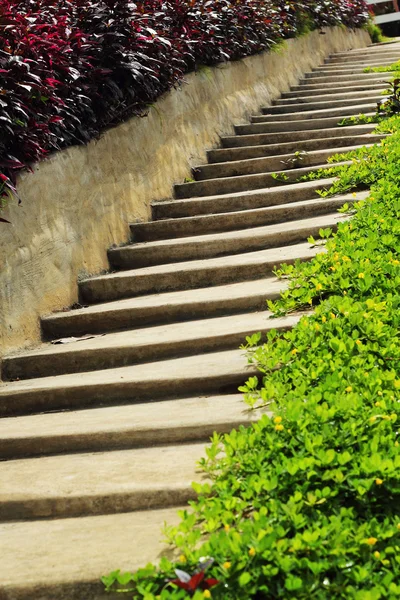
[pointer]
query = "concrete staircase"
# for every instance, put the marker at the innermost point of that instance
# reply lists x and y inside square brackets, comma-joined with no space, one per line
[97,431]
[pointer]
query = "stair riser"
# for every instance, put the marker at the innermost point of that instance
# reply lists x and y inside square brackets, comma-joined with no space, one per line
[136,256]
[15,448]
[295,136]
[371,50]
[257,199]
[263,165]
[386,58]
[260,165]
[301,124]
[346,86]
[338,79]
[81,396]
[104,290]
[357,91]
[254,152]
[359,65]
[341,71]
[316,115]
[234,221]
[106,358]
[65,506]
[231,185]
[127,319]
[294,105]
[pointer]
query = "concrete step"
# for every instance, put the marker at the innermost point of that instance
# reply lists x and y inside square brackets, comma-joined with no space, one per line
[170,307]
[297,124]
[356,64]
[366,53]
[137,346]
[306,104]
[99,483]
[316,90]
[225,155]
[231,221]
[237,141]
[64,559]
[340,70]
[218,244]
[200,375]
[345,86]
[321,78]
[209,205]
[367,57]
[190,274]
[279,162]
[175,421]
[343,111]
[242,183]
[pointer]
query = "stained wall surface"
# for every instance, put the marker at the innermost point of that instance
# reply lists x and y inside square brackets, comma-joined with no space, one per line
[79,202]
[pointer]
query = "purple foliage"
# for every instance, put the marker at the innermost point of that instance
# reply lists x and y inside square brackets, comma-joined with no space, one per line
[71,68]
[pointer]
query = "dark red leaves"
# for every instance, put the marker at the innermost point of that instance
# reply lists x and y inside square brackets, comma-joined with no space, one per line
[191,583]
[71,68]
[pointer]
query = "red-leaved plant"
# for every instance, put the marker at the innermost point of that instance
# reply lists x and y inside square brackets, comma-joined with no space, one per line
[71,68]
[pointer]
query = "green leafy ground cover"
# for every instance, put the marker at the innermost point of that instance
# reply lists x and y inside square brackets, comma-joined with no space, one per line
[306,504]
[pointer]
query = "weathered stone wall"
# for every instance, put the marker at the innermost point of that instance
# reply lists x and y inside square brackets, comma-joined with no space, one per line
[80,201]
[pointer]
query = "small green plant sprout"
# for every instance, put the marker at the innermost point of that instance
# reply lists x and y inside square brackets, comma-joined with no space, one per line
[279,177]
[251,340]
[296,160]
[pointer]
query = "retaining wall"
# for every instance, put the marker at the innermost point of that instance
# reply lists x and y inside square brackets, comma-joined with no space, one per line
[79,202]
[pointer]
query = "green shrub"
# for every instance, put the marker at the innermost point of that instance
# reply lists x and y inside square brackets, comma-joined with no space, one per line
[375,32]
[306,503]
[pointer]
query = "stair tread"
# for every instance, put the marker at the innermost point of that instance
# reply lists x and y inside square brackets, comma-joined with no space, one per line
[305,115]
[97,385]
[252,232]
[163,336]
[256,139]
[164,300]
[288,188]
[272,150]
[46,486]
[152,423]
[238,219]
[65,558]
[316,102]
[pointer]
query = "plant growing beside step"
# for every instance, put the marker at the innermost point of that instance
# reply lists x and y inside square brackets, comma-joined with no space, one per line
[306,504]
